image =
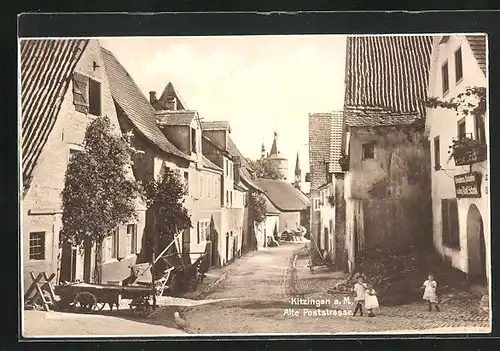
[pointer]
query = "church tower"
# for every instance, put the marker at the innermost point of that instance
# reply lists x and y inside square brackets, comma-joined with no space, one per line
[298,173]
[276,158]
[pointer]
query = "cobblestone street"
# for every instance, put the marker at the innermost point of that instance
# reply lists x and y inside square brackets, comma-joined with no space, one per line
[263,283]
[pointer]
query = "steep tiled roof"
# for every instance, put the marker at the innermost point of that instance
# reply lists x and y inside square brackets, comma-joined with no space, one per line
[320,129]
[283,195]
[46,70]
[270,208]
[233,151]
[215,125]
[134,104]
[389,72]
[478,45]
[336,132]
[175,118]
[372,117]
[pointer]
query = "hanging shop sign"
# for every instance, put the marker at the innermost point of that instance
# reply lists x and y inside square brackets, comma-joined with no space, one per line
[468,185]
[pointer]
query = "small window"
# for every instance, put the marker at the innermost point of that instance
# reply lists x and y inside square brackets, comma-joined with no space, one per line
[186,178]
[316,204]
[437,154]
[445,78]
[94,97]
[480,131]
[132,238]
[37,246]
[203,231]
[368,151]
[461,128]
[459,73]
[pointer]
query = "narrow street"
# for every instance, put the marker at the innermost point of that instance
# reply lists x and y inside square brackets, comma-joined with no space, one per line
[261,286]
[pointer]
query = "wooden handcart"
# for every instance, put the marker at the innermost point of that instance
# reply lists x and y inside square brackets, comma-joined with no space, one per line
[84,297]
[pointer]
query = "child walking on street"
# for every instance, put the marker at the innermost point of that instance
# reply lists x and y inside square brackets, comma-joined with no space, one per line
[371,300]
[430,295]
[359,290]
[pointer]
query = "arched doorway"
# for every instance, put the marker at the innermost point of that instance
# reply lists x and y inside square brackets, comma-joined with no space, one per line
[476,246]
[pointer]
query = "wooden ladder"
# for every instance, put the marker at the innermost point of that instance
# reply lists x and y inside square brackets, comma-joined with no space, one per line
[40,284]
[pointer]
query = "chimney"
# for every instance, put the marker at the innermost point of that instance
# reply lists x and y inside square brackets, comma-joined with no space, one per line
[172,104]
[152,97]
[236,168]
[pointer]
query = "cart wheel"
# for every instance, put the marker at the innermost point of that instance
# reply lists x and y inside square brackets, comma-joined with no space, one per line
[159,288]
[99,306]
[85,301]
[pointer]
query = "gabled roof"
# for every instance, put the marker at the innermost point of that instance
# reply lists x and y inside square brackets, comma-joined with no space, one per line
[175,118]
[477,44]
[215,125]
[388,72]
[283,195]
[46,69]
[168,93]
[134,104]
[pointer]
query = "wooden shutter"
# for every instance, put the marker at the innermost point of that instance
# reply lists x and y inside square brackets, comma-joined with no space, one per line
[80,92]
[454,228]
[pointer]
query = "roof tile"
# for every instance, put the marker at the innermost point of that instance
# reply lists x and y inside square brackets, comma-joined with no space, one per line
[46,70]
[215,125]
[388,72]
[175,118]
[477,44]
[134,104]
[283,195]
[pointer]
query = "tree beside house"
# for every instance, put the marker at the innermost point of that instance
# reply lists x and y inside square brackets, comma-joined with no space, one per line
[53,129]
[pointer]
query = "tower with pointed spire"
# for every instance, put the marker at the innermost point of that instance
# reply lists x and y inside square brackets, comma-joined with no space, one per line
[298,173]
[276,158]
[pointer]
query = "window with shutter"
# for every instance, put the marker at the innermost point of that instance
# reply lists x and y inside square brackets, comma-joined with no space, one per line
[80,92]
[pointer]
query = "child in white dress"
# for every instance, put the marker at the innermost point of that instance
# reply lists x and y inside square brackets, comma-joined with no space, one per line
[430,286]
[371,300]
[359,290]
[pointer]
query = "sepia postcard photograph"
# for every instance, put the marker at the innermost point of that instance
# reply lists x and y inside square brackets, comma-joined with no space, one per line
[254,185]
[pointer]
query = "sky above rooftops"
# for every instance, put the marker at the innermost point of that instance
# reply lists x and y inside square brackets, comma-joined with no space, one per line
[260,84]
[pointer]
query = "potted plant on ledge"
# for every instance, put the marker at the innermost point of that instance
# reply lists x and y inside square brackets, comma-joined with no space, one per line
[466,150]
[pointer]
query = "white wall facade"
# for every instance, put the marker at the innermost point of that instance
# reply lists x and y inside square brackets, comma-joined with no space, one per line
[442,123]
